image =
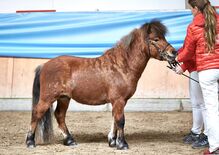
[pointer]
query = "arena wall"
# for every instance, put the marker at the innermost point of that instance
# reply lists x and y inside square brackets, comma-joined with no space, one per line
[159,88]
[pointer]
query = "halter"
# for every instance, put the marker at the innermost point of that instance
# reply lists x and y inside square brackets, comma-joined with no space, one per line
[161,52]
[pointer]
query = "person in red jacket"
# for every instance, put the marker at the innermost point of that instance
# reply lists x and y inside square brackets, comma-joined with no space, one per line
[195,137]
[202,41]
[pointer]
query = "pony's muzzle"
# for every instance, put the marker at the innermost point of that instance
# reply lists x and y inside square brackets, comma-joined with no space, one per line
[171,56]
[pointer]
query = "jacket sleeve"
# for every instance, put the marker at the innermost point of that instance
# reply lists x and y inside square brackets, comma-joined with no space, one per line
[188,50]
[184,67]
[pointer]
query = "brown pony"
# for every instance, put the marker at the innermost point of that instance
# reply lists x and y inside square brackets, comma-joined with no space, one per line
[110,78]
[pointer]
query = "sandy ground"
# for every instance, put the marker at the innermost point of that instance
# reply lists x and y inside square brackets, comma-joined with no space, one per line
[146,132]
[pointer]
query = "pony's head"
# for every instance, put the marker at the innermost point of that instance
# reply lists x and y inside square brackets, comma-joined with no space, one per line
[156,43]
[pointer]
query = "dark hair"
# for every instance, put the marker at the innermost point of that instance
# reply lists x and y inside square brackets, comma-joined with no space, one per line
[156,26]
[209,13]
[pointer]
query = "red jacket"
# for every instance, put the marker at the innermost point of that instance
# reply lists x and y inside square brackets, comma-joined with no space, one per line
[188,65]
[194,46]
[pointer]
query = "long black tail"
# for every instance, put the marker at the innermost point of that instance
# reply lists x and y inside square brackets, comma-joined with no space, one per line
[44,130]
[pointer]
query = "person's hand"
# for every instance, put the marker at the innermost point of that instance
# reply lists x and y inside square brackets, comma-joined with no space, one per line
[178,70]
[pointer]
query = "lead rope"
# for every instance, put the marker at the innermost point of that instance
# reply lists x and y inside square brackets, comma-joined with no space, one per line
[172,66]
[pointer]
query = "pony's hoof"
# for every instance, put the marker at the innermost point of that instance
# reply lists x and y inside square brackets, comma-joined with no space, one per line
[112,142]
[69,141]
[30,144]
[122,145]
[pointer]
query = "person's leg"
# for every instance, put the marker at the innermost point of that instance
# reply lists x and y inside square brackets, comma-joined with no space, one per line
[199,113]
[208,81]
[197,102]
[195,99]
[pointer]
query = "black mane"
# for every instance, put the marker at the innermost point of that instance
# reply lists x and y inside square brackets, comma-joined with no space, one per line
[127,40]
[156,26]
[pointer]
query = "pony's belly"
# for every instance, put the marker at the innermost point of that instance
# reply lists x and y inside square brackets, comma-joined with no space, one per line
[89,88]
[89,96]
[89,101]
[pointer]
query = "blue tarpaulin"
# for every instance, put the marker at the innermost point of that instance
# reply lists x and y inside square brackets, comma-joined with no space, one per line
[83,34]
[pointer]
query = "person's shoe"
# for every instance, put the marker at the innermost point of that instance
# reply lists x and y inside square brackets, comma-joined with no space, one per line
[201,142]
[190,138]
[207,152]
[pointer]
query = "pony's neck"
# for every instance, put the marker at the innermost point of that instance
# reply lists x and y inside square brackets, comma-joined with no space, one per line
[129,56]
[138,59]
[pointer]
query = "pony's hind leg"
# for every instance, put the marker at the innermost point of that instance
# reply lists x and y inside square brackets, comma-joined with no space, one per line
[41,113]
[60,113]
[38,112]
[119,122]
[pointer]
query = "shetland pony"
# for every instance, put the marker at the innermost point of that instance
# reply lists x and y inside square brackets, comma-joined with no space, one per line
[110,78]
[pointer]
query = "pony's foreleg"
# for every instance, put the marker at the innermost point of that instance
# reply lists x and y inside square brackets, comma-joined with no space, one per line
[119,119]
[112,135]
[60,113]
[37,113]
